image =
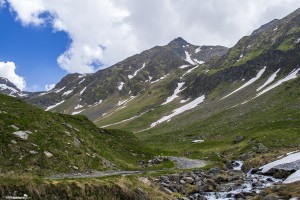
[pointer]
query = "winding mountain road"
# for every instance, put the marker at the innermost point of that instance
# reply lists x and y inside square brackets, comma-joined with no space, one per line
[181,163]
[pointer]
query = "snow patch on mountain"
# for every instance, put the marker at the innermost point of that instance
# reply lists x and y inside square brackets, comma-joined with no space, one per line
[180,110]
[82,75]
[78,106]
[120,87]
[188,71]
[293,177]
[270,80]
[175,94]
[290,76]
[200,62]
[259,74]
[188,58]
[59,90]
[53,106]
[120,103]
[82,91]
[5,87]
[161,78]
[68,92]
[135,73]
[184,100]
[125,120]
[198,50]
[288,159]
[81,81]
[184,66]
[77,112]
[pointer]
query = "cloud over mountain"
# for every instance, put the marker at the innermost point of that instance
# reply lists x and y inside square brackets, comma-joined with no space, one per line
[7,70]
[107,31]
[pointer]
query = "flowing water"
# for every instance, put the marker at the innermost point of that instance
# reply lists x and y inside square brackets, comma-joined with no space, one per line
[252,184]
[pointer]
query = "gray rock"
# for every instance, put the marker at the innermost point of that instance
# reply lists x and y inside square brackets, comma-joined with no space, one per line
[21,134]
[246,156]
[140,194]
[174,177]
[189,180]
[15,127]
[14,141]
[68,133]
[260,148]
[165,184]
[238,138]
[289,166]
[76,142]
[48,154]
[182,182]
[166,190]
[33,152]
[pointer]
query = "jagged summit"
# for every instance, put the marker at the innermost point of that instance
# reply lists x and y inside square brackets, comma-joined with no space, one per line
[178,41]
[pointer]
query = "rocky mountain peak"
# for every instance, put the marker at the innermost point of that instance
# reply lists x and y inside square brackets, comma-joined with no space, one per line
[178,41]
[7,85]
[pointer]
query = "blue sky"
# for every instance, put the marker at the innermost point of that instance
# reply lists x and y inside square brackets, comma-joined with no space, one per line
[82,36]
[33,49]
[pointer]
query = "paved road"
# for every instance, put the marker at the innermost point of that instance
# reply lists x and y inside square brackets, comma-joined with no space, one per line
[181,163]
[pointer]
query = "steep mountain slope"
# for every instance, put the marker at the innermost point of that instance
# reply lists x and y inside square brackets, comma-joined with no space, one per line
[95,95]
[35,141]
[251,92]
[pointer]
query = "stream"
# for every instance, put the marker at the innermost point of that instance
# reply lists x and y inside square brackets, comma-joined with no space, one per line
[252,184]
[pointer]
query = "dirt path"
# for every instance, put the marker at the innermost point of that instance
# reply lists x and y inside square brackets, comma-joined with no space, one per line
[181,163]
[187,163]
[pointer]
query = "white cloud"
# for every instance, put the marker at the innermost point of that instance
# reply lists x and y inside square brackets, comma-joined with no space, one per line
[108,31]
[28,11]
[7,70]
[49,87]
[2,3]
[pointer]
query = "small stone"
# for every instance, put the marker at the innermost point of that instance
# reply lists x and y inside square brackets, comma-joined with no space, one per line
[48,154]
[239,138]
[15,127]
[76,142]
[166,190]
[14,141]
[68,133]
[21,134]
[33,152]
[189,180]
[74,167]
[182,182]
[145,181]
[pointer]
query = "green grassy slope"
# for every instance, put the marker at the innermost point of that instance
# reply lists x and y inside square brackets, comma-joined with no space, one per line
[73,141]
[272,119]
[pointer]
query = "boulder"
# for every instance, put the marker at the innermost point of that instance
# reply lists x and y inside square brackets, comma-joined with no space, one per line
[21,134]
[189,180]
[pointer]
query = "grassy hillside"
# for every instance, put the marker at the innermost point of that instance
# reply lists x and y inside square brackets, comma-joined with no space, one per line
[61,143]
[271,120]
